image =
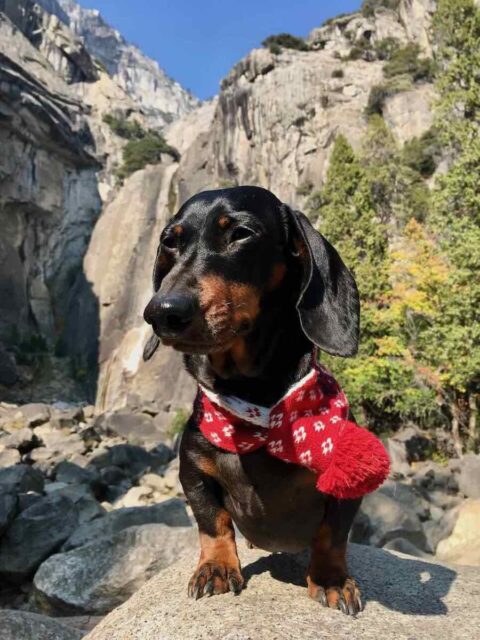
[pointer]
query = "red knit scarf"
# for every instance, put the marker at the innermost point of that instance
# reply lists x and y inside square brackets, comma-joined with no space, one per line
[309,426]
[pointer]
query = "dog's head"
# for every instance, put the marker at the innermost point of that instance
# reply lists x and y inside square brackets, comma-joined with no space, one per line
[225,254]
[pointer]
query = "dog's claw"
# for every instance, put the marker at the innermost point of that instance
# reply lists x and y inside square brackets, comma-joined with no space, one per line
[234,585]
[359,603]
[209,588]
[346,598]
[342,605]
[197,592]
[212,578]
[321,597]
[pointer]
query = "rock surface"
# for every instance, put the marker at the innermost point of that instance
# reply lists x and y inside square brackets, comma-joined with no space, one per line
[382,519]
[21,625]
[120,270]
[469,478]
[35,534]
[99,576]
[463,546]
[171,512]
[405,599]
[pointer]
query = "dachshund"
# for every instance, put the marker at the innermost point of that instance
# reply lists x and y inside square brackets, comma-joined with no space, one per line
[247,290]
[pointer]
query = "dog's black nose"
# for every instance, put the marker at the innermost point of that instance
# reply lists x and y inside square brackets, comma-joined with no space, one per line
[170,314]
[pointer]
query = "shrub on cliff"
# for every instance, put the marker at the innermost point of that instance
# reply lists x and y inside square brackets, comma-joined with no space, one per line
[380,92]
[146,150]
[128,129]
[285,40]
[386,47]
[370,6]
[408,61]
[422,154]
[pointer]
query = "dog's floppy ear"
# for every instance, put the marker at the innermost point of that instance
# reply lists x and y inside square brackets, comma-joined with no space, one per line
[328,304]
[161,267]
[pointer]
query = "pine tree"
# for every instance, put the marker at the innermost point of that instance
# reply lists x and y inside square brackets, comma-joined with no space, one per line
[452,343]
[381,381]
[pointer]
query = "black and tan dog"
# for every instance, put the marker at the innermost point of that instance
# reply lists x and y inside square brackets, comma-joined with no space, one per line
[245,288]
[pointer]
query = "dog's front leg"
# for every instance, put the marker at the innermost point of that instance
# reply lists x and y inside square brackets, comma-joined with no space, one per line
[329,581]
[218,569]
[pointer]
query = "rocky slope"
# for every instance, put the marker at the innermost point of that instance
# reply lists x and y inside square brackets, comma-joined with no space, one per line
[98,495]
[161,98]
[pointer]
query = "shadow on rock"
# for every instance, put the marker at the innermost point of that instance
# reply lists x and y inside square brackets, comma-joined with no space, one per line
[397,582]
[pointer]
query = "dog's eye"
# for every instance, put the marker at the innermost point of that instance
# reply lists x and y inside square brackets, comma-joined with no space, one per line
[241,233]
[170,241]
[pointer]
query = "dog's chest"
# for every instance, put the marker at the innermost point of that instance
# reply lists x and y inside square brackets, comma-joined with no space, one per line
[273,503]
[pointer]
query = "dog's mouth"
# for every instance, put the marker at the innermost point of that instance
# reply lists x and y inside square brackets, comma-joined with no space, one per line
[197,347]
[204,341]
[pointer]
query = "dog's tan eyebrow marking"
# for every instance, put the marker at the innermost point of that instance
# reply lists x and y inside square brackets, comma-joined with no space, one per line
[178,229]
[224,221]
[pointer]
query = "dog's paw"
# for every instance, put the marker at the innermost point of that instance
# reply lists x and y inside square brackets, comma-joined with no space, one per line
[345,597]
[212,578]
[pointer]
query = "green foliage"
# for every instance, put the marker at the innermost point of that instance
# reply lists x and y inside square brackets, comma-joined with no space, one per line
[380,92]
[338,73]
[146,150]
[407,61]
[370,6]
[386,48]
[416,253]
[275,48]
[128,129]
[285,40]
[179,422]
[363,198]
[376,100]
[422,154]
[143,147]
[452,344]
[338,19]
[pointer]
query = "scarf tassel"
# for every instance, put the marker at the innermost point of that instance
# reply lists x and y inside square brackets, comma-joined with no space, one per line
[359,465]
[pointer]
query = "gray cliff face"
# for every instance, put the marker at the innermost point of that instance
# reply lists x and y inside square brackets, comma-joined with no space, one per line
[56,168]
[278,115]
[161,98]
[49,196]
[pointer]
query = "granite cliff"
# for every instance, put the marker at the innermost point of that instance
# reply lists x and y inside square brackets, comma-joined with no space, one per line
[161,98]
[57,170]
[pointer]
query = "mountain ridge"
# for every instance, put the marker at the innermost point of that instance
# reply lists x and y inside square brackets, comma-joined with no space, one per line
[162,98]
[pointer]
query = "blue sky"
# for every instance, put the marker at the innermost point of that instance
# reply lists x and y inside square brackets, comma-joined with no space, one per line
[198,41]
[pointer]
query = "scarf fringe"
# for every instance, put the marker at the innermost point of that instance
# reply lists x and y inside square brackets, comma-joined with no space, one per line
[359,465]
